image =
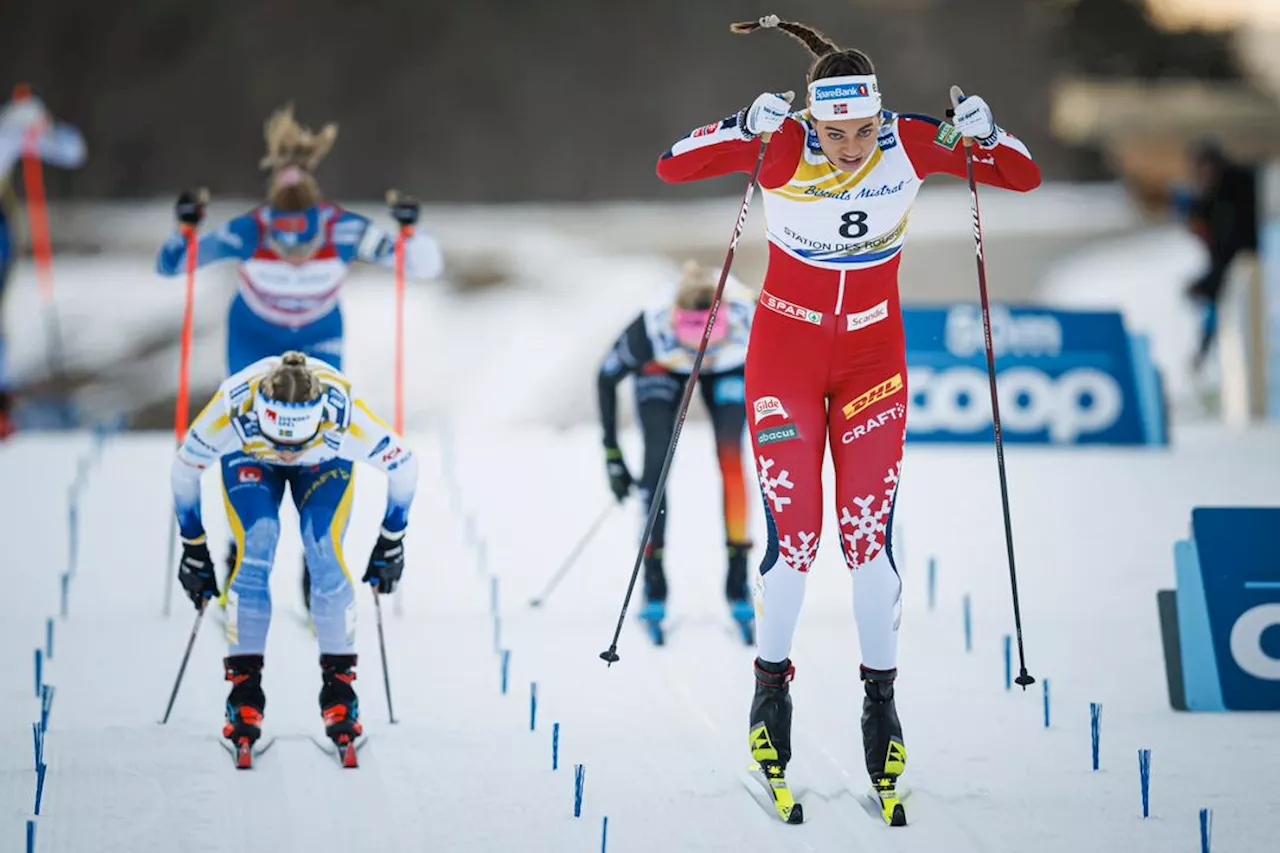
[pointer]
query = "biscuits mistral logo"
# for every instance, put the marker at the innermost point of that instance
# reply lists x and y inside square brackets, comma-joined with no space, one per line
[892,385]
[862,319]
[765,407]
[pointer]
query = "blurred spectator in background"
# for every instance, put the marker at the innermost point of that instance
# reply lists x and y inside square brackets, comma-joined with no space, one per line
[24,121]
[1222,211]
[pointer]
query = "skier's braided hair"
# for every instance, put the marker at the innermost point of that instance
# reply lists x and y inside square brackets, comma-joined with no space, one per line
[291,381]
[829,59]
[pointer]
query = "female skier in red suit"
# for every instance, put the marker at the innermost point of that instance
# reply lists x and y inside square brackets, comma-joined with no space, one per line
[826,358]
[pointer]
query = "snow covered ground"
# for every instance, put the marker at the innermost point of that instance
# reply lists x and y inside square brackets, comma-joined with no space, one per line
[662,733]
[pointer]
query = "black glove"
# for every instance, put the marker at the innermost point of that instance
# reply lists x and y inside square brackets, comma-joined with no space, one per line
[405,210]
[189,208]
[386,563]
[195,572]
[619,477]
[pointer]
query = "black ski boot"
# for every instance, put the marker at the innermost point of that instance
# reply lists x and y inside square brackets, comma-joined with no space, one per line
[655,594]
[770,734]
[882,742]
[246,702]
[738,592]
[338,703]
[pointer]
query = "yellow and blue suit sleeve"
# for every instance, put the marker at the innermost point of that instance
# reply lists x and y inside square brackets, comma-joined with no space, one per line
[370,440]
[210,437]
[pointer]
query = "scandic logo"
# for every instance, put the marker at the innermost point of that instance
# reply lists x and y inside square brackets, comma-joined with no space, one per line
[892,385]
[835,93]
[789,309]
[862,319]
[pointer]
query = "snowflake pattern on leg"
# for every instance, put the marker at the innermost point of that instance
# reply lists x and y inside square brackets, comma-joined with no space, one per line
[868,526]
[799,557]
[770,485]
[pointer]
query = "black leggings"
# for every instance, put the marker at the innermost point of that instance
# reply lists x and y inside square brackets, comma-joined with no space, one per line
[658,401]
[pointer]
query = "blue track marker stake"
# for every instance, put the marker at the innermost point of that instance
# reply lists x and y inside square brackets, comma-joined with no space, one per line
[506,663]
[31,836]
[40,785]
[579,779]
[1046,702]
[46,704]
[493,595]
[555,746]
[37,740]
[39,656]
[48,638]
[604,834]
[968,625]
[932,582]
[497,634]
[1144,777]
[1095,720]
[66,583]
[1206,830]
[73,545]
[1008,662]
[533,705]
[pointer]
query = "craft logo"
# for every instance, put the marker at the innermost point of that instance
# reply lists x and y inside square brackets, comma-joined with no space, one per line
[766,407]
[790,309]
[893,413]
[773,435]
[862,319]
[892,385]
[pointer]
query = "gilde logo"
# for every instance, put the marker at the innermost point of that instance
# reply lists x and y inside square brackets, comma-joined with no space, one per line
[765,407]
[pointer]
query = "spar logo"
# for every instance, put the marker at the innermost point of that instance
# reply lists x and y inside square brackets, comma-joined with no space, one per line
[890,386]
[789,309]
[767,407]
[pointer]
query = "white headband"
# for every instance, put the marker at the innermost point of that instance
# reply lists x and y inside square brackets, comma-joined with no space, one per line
[839,98]
[288,423]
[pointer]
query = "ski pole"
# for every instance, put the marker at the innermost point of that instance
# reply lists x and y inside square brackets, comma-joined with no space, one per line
[573,557]
[1023,678]
[41,243]
[405,230]
[610,655]
[186,656]
[382,648]
[181,406]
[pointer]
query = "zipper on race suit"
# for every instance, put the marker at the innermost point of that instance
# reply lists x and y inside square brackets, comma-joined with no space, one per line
[840,294]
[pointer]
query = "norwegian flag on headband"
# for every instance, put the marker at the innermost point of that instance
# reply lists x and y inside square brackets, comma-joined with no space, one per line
[840,109]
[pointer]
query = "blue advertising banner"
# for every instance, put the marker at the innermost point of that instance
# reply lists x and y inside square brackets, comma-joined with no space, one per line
[1064,377]
[1222,627]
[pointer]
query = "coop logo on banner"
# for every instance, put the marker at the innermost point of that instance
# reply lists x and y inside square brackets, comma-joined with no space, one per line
[1063,377]
[1221,626]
